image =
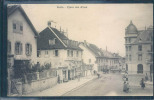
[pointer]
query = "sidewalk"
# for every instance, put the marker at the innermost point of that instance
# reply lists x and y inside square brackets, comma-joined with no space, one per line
[61,89]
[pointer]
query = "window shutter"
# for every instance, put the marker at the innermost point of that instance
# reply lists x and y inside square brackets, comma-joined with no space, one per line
[30,49]
[20,48]
[26,49]
[15,51]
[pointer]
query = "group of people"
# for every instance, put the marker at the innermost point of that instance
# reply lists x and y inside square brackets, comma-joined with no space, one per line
[126,86]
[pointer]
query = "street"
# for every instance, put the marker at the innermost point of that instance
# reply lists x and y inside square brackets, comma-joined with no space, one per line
[110,85]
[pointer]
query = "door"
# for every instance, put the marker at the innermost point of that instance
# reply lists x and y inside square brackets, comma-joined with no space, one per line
[139,68]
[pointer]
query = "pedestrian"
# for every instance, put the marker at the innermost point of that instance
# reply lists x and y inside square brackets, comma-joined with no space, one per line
[124,87]
[127,87]
[58,79]
[146,77]
[98,75]
[142,83]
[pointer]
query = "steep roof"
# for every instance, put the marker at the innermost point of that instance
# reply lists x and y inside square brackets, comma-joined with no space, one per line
[50,33]
[99,52]
[11,9]
[144,36]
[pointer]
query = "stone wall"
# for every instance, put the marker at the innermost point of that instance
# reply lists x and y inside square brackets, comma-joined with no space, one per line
[39,85]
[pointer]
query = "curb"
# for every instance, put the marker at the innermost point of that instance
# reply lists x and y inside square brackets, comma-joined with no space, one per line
[79,86]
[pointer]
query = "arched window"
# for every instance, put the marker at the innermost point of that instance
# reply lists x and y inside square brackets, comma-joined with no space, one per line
[139,68]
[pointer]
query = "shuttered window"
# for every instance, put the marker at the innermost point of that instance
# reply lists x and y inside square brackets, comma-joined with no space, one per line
[18,48]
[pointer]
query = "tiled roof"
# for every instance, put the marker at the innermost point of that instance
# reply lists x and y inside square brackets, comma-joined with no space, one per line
[144,36]
[47,34]
[13,8]
[99,52]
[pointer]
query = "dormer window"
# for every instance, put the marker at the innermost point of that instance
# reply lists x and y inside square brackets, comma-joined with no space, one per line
[52,42]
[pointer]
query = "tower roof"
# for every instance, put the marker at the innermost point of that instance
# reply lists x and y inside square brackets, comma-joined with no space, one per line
[131,28]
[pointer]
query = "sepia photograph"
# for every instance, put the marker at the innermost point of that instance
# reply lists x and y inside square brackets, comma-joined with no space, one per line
[80,50]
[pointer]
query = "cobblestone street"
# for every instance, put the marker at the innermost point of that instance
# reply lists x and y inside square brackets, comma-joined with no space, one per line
[111,85]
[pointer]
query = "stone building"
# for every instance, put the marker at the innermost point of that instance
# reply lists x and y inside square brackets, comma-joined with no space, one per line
[139,49]
[64,55]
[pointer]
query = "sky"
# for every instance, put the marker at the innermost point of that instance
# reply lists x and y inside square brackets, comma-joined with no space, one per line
[100,24]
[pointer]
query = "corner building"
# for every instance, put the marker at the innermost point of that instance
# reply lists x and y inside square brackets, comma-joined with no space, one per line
[139,50]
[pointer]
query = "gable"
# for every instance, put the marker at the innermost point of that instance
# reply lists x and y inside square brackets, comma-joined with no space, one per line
[13,9]
[43,40]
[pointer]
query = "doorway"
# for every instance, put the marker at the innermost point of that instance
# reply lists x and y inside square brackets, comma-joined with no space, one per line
[139,68]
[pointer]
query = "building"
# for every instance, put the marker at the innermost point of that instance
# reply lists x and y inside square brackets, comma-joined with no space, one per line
[139,49]
[22,42]
[63,54]
[99,59]
[22,38]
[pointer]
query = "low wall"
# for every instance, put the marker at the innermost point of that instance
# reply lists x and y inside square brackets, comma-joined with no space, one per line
[39,85]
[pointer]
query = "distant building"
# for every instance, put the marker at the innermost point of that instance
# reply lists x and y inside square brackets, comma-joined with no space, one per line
[139,49]
[99,59]
[63,54]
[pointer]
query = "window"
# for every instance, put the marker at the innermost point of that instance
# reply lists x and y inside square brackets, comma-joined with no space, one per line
[139,47]
[52,42]
[28,50]
[77,53]
[14,26]
[139,57]
[9,47]
[126,48]
[72,53]
[126,57]
[68,53]
[21,28]
[129,40]
[56,53]
[18,48]
[17,27]
[129,48]
[130,58]
[46,52]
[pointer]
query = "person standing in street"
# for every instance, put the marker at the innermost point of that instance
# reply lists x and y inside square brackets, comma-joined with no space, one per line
[142,83]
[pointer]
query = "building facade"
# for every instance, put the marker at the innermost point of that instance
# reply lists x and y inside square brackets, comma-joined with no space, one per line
[20,48]
[139,49]
[63,54]
[21,43]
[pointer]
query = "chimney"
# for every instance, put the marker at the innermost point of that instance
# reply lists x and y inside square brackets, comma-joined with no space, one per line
[145,28]
[49,23]
[106,48]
